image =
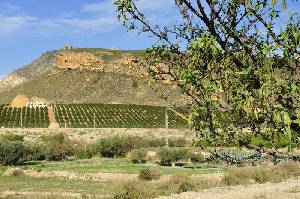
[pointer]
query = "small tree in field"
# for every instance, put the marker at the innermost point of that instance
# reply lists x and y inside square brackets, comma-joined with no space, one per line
[235,59]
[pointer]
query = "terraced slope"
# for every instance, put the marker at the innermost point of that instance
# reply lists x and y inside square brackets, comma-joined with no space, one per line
[115,116]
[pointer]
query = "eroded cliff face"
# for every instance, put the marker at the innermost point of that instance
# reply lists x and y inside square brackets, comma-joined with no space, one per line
[103,62]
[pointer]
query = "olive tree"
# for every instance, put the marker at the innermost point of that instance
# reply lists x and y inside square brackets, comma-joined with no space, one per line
[235,59]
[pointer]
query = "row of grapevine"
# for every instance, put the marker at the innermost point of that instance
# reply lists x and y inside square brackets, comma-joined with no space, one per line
[114,116]
[23,117]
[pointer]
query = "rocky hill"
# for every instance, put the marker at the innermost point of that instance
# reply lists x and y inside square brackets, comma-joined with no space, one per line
[43,64]
[85,75]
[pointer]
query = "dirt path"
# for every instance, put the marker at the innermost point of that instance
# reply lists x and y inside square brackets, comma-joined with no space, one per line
[284,190]
[51,115]
[179,114]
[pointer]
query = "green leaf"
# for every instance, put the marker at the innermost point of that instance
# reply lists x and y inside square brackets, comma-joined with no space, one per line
[286,119]
[284,4]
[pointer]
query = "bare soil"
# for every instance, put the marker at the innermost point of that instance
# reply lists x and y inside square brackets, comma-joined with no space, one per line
[52,120]
[91,135]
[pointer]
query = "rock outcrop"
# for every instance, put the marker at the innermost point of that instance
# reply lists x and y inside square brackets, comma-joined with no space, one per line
[125,64]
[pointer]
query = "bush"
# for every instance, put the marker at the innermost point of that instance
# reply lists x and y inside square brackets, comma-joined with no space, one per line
[260,142]
[133,190]
[12,153]
[86,152]
[182,183]
[186,186]
[197,158]
[201,142]
[58,147]
[161,142]
[139,156]
[37,152]
[177,142]
[117,146]
[58,138]
[149,174]
[171,156]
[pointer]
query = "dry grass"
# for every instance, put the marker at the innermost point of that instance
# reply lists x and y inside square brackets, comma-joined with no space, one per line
[250,175]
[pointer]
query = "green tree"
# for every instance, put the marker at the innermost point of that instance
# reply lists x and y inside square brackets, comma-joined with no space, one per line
[240,65]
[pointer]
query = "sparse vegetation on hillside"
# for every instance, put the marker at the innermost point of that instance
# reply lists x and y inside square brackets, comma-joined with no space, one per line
[76,86]
[108,55]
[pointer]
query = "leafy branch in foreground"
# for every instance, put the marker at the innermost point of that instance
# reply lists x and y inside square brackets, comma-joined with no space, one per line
[231,58]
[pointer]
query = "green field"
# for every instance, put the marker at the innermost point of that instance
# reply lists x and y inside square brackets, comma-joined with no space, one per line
[109,165]
[81,168]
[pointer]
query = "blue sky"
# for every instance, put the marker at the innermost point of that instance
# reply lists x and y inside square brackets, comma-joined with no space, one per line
[30,27]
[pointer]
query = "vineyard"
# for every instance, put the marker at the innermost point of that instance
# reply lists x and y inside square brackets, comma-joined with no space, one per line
[23,117]
[115,116]
[91,116]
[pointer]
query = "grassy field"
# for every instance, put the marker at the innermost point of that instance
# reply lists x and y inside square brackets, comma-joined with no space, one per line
[109,165]
[81,184]
[105,178]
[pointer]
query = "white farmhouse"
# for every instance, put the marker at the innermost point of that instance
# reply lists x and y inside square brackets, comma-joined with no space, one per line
[36,104]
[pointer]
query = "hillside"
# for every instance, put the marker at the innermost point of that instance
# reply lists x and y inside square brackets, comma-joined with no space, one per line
[39,66]
[84,75]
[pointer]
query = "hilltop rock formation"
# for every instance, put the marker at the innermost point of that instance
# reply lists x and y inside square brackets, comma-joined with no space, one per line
[105,61]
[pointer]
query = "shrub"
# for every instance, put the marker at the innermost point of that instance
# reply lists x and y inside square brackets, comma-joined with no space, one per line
[260,142]
[197,158]
[177,142]
[281,140]
[86,152]
[149,174]
[117,146]
[139,156]
[37,152]
[133,190]
[181,183]
[58,147]
[171,156]
[159,142]
[12,153]
[201,142]
[186,186]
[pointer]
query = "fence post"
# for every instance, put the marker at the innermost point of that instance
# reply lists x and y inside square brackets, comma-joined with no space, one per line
[166,128]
